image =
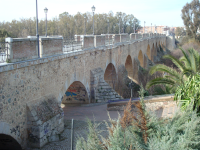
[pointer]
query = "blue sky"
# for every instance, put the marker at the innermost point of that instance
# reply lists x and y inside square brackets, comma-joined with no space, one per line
[157,12]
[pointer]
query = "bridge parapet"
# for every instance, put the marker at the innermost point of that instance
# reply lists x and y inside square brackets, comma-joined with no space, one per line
[88,42]
[99,40]
[20,49]
[116,38]
[124,38]
[51,46]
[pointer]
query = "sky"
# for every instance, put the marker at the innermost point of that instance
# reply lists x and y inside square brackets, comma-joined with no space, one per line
[157,12]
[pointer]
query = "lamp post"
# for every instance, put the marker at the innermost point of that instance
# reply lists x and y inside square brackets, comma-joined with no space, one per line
[134,25]
[108,25]
[151,27]
[46,11]
[155,29]
[144,26]
[123,27]
[85,24]
[93,9]
[120,14]
[37,35]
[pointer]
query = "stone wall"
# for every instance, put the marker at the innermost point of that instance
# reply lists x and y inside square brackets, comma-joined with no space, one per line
[45,121]
[99,40]
[138,36]
[170,42]
[124,38]
[51,46]
[88,42]
[32,80]
[163,105]
[116,38]
[22,49]
[133,36]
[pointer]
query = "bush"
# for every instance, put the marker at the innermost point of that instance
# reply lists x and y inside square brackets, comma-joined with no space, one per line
[144,131]
[189,93]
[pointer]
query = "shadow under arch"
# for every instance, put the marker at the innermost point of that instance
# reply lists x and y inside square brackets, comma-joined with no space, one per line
[156,47]
[141,58]
[153,52]
[110,75]
[148,52]
[9,143]
[76,93]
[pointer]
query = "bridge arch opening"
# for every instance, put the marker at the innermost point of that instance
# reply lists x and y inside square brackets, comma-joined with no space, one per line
[110,75]
[76,93]
[141,58]
[153,52]
[9,143]
[148,52]
[156,47]
[129,66]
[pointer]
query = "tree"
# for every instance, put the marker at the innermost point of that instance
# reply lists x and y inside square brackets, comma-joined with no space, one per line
[191,17]
[180,31]
[3,34]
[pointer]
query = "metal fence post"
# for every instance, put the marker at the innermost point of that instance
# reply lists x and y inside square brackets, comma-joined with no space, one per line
[72,134]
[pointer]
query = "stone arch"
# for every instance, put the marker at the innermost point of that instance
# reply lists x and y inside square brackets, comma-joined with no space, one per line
[110,75]
[76,93]
[141,58]
[129,66]
[8,142]
[148,52]
[7,134]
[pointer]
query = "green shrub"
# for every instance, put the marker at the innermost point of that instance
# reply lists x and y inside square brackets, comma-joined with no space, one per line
[189,92]
[144,131]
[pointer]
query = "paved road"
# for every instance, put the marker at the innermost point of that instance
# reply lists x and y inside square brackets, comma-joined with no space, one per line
[99,112]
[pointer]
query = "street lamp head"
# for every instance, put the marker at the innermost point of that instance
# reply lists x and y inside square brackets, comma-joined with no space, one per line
[93,8]
[45,10]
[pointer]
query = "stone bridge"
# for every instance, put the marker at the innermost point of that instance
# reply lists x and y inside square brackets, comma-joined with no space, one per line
[33,89]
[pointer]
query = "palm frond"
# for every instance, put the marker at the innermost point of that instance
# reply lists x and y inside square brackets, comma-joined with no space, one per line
[178,63]
[159,81]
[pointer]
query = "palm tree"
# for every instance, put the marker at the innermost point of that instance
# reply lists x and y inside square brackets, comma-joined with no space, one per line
[187,65]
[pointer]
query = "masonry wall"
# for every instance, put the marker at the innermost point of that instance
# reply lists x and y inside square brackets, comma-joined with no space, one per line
[162,105]
[22,49]
[24,82]
[88,42]
[170,42]
[51,46]
[99,40]
[116,38]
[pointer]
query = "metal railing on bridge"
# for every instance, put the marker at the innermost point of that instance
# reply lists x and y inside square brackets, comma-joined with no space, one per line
[77,43]
[3,52]
[71,45]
